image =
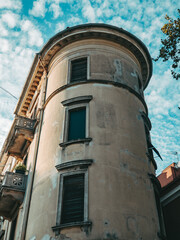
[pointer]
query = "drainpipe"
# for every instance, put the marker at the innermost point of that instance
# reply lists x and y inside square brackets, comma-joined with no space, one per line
[31,181]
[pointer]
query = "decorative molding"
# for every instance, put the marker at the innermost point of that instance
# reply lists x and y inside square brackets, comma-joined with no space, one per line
[77,100]
[108,82]
[84,140]
[84,224]
[80,32]
[75,163]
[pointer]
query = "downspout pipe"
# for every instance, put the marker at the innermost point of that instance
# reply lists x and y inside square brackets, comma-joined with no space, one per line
[31,183]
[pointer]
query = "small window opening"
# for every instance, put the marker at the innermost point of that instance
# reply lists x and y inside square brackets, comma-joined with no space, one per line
[79,70]
[73,199]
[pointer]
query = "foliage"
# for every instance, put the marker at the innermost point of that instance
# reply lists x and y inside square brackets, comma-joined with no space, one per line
[20,167]
[171,44]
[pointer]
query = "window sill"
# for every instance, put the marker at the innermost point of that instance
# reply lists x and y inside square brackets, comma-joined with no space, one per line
[85,225]
[84,140]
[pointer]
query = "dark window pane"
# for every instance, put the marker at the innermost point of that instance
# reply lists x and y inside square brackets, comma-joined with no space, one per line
[77,124]
[79,70]
[73,199]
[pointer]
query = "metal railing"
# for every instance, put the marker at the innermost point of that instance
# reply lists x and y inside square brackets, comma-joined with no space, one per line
[27,123]
[14,181]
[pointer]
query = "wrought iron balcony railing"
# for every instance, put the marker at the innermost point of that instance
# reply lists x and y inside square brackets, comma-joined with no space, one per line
[12,189]
[20,137]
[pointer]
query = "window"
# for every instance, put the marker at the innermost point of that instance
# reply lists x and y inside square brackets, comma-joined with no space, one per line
[73,199]
[78,70]
[76,129]
[77,124]
[72,209]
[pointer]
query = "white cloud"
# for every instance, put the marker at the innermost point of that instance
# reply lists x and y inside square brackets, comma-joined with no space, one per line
[38,9]
[34,35]
[26,25]
[88,11]
[11,4]
[60,26]
[73,20]
[10,18]
[4,45]
[57,11]
[3,30]
[35,38]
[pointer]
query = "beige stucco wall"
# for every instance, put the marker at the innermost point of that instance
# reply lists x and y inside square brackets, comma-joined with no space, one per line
[107,61]
[121,198]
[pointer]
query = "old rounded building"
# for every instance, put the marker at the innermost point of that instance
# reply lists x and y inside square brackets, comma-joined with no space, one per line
[85,140]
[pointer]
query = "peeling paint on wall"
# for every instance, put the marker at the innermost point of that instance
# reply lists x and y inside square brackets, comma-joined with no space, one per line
[46,237]
[111,236]
[57,156]
[118,73]
[106,116]
[53,180]
[134,74]
[33,238]
[132,225]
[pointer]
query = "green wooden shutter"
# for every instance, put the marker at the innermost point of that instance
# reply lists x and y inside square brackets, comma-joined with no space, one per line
[73,199]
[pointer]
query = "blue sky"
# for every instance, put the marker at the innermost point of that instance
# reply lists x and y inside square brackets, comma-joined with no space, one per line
[26,25]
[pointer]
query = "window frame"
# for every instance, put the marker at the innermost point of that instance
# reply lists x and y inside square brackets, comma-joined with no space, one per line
[70,67]
[76,103]
[61,187]
[67,118]
[69,169]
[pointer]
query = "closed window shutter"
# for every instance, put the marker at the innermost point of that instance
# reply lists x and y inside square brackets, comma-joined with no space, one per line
[79,70]
[73,199]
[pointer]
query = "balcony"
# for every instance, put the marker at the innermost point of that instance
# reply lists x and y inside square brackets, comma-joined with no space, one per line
[20,136]
[12,190]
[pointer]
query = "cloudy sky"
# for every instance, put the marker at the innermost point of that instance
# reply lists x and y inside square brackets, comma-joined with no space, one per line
[26,25]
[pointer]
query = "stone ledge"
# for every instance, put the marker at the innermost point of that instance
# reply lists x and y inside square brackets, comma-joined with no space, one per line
[77,100]
[84,224]
[84,140]
[70,164]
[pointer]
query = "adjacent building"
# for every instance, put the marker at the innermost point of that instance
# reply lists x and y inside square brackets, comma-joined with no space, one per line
[170,199]
[81,128]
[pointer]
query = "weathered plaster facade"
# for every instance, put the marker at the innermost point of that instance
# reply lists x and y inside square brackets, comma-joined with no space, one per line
[119,195]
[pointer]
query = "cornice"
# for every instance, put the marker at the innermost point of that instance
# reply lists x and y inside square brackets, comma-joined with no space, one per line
[74,34]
